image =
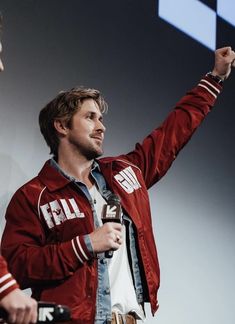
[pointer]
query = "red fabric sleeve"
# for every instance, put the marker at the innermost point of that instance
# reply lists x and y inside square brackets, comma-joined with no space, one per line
[7,282]
[30,258]
[158,150]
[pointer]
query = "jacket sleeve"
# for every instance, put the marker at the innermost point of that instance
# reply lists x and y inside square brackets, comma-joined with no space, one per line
[158,150]
[31,259]
[7,282]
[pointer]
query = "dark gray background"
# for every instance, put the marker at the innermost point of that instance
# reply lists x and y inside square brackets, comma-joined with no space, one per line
[143,66]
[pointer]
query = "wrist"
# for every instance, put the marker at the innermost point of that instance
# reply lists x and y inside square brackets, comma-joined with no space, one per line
[217,78]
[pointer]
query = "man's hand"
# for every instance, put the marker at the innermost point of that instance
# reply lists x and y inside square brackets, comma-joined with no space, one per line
[107,237]
[224,60]
[21,308]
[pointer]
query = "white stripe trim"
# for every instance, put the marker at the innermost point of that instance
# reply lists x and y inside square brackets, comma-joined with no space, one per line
[7,285]
[75,251]
[205,87]
[81,249]
[39,199]
[217,90]
[5,277]
[128,163]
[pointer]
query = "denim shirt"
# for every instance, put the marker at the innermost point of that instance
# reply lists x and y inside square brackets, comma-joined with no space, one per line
[103,298]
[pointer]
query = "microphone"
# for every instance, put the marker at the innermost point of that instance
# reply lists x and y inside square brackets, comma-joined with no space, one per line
[112,212]
[47,313]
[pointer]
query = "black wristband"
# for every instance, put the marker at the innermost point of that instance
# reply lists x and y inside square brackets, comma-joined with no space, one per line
[216,78]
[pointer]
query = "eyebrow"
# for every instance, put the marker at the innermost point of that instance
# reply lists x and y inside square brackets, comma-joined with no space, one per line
[94,113]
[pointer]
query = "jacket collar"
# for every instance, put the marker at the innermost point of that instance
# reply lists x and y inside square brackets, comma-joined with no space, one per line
[54,178]
[51,178]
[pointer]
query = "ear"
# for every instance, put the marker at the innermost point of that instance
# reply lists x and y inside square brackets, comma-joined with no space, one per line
[60,127]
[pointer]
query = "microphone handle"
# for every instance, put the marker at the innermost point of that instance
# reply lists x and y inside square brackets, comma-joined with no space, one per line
[109,254]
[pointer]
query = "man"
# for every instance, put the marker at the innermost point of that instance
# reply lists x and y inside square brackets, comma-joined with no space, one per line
[54,239]
[20,307]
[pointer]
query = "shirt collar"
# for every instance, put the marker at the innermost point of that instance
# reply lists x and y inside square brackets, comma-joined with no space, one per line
[54,164]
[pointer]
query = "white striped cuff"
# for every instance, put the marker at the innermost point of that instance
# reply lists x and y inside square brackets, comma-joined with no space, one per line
[79,250]
[7,285]
[211,88]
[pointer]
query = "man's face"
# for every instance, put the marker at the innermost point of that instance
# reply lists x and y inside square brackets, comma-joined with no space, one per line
[1,65]
[86,133]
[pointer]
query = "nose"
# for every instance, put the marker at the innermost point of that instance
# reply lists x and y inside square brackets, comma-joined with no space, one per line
[100,126]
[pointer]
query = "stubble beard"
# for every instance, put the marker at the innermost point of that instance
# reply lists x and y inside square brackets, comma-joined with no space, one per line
[91,153]
[88,150]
